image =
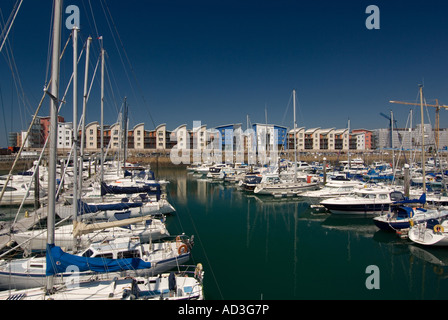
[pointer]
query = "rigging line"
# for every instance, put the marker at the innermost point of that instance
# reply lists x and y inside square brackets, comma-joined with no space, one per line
[129,62]
[27,135]
[286,111]
[9,57]
[50,44]
[45,145]
[110,73]
[93,16]
[22,97]
[10,25]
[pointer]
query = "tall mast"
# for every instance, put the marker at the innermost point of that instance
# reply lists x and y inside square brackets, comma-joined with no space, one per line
[125,133]
[83,121]
[53,135]
[75,122]
[295,143]
[348,139]
[423,139]
[102,115]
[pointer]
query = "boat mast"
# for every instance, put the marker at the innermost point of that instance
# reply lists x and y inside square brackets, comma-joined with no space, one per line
[102,115]
[295,142]
[83,121]
[348,148]
[75,122]
[53,135]
[423,139]
[125,133]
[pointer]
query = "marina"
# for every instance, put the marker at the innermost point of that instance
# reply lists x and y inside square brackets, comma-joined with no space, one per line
[284,248]
[107,207]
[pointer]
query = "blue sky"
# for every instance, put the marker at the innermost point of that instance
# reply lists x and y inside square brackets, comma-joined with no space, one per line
[219,61]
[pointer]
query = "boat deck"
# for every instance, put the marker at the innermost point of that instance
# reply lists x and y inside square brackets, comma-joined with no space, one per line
[34,217]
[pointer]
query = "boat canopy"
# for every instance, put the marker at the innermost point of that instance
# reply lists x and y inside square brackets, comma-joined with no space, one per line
[149,188]
[84,208]
[421,200]
[59,261]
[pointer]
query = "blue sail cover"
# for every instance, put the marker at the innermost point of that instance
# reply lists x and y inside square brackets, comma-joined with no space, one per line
[59,261]
[421,200]
[149,188]
[92,208]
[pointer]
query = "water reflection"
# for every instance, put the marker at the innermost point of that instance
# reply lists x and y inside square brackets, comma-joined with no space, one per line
[314,255]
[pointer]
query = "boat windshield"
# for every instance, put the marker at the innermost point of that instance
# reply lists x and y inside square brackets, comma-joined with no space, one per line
[253,179]
[88,253]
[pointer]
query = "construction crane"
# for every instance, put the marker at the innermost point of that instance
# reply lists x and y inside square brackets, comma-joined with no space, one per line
[392,123]
[437,124]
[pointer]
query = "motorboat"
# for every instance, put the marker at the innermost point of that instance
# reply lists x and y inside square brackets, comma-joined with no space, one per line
[433,232]
[404,214]
[366,201]
[330,190]
[16,193]
[279,188]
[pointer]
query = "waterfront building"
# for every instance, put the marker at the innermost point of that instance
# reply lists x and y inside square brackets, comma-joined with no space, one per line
[368,138]
[232,137]
[271,136]
[65,136]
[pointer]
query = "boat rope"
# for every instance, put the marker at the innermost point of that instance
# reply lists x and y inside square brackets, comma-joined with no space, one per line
[108,16]
[46,142]
[10,22]
[28,132]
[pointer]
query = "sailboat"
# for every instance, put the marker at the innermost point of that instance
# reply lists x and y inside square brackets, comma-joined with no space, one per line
[81,235]
[288,188]
[98,261]
[183,284]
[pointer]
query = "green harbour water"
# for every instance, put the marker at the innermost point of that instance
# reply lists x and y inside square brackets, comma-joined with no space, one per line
[260,248]
[256,248]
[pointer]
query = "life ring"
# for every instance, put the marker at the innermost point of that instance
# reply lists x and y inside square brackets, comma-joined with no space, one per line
[182,249]
[438,228]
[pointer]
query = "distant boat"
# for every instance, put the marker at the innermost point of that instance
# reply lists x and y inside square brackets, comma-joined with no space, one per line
[332,189]
[366,201]
[285,188]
